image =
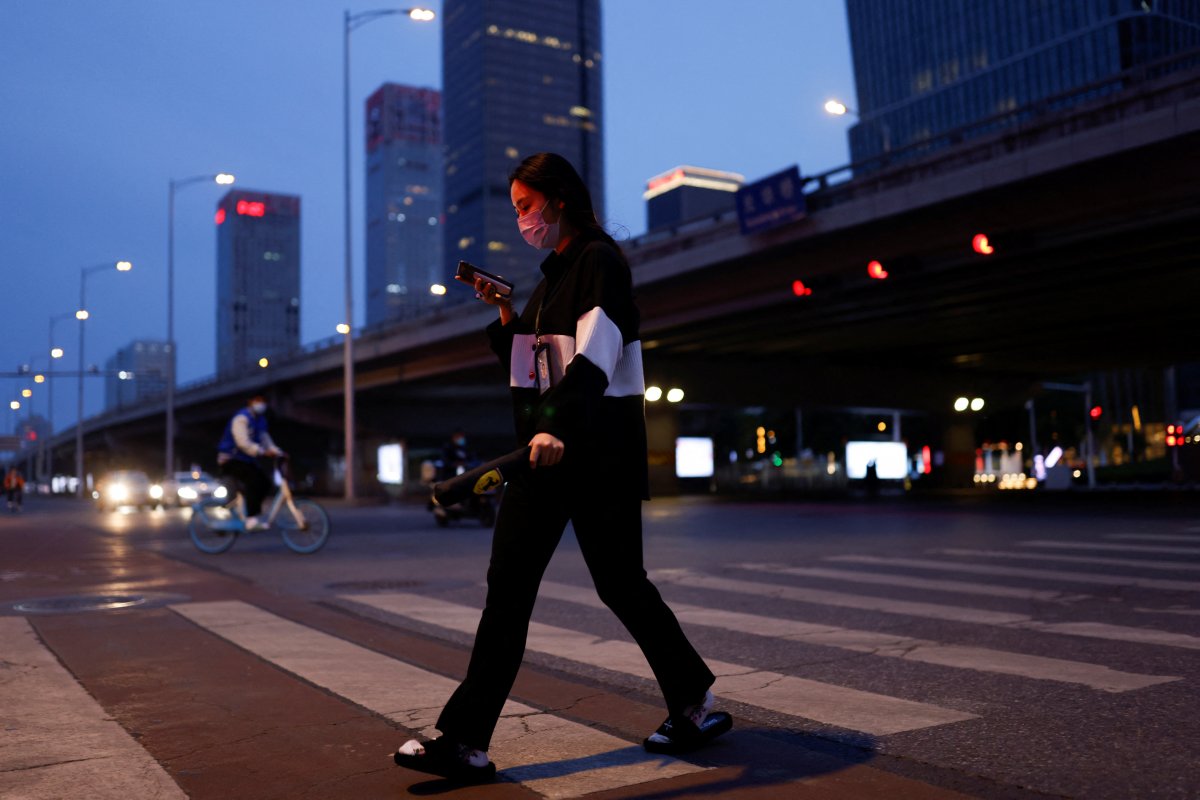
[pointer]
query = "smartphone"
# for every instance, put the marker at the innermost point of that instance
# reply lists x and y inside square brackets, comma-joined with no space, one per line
[469,272]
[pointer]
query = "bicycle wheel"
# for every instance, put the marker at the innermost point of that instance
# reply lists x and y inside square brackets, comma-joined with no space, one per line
[207,538]
[308,536]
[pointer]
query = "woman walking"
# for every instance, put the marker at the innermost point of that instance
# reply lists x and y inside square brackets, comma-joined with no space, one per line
[575,368]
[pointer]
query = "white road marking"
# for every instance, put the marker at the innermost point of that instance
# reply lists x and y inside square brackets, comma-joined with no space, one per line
[909,582]
[57,739]
[553,756]
[932,611]
[979,659]
[1127,548]
[835,705]
[1187,612]
[1155,537]
[1019,572]
[1040,557]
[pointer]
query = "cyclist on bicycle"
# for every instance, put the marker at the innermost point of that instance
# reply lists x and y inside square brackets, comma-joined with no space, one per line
[245,441]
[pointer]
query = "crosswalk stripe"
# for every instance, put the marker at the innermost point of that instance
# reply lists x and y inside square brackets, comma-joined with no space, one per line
[852,709]
[1018,572]
[1155,537]
[1066,559]
[881,579]
[1128,548]
[57,739]
[932,611]
[979,659]
[537,749]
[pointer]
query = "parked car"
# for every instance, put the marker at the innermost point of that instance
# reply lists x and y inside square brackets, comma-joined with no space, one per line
[126,488]
[186,488]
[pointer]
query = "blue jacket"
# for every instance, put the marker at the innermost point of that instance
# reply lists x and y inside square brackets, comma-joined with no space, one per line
[256,430]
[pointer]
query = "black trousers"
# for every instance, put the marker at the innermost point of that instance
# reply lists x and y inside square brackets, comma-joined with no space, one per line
[253,483]
[533,514]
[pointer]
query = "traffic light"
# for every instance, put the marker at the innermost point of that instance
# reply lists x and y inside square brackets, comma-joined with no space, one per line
[1175,435]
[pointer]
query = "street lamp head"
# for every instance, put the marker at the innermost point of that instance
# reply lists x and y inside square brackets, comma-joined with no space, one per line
[224,178]
[264,362]
[343,328]
[437,289]
[124,266]
[421,14]
[81,314]
[836,107]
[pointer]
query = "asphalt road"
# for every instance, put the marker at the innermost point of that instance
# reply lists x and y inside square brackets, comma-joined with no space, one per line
[889,649]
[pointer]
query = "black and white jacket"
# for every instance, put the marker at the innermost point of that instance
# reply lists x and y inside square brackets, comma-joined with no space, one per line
[584,310]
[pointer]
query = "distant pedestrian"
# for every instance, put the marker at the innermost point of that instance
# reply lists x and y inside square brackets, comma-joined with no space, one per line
[575,363]
[14,488]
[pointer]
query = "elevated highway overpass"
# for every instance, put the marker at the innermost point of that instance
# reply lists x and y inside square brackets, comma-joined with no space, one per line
[1093,213]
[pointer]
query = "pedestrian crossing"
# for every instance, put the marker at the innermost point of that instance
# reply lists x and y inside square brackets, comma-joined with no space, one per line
[56,738]
[557,755]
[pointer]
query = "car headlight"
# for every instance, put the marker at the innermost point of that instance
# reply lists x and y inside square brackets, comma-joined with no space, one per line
[118,492]
[187,493]
[156,492]
[221,493]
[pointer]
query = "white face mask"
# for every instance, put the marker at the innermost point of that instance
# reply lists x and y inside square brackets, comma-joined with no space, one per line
[258,408]
[537,232]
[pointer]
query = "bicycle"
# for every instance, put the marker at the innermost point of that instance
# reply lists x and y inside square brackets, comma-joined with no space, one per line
[217,522]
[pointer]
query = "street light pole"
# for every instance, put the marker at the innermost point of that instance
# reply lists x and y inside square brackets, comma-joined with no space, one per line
[49,457]
[351,22]
[837,108]
[224,179]
[82,315]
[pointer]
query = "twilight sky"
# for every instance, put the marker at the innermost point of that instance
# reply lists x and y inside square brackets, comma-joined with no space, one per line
[103,103]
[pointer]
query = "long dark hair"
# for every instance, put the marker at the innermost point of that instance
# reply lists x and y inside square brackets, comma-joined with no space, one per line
[554,177]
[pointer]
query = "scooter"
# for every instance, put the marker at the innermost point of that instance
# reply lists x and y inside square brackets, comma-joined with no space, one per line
[474,505]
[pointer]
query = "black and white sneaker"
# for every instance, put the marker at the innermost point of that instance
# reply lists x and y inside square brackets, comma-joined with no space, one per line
[446,759]
[697,726]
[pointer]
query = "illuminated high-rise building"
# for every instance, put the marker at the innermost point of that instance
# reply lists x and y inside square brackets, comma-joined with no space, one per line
[136,372]
[258,278]
[927,67]
[404,208]
[519,77]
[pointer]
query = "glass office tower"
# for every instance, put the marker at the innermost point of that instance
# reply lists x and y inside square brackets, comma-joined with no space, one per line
[926,67]
[258,278]
[404,202]
[519,77]
[136,372]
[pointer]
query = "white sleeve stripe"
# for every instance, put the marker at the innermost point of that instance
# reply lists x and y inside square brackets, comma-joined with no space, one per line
[598,339]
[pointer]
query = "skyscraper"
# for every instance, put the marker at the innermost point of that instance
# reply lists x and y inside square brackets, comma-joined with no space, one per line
[519,77]
[925,67]
[687,193]
[136,372]
[258,278]
[404,201]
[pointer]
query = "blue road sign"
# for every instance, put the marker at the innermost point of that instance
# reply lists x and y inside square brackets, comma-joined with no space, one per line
[771,202]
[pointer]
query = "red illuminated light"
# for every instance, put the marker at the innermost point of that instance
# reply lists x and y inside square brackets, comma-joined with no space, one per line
[251,208]
[981,245]
[876,270]
[800,290]
[220,217]
[926,460]
[1096,412]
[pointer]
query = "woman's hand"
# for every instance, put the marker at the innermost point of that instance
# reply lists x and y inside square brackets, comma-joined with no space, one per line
[486,291]
[545,450]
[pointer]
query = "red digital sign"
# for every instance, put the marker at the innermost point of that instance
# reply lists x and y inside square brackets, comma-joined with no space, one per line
[251,208]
